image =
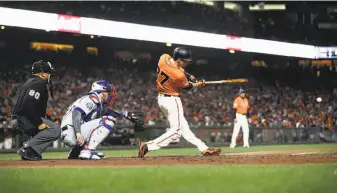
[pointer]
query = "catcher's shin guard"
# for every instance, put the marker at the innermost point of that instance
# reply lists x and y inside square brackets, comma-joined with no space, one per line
[100,133]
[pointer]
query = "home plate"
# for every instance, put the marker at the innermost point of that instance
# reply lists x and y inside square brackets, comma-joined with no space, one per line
[304,153]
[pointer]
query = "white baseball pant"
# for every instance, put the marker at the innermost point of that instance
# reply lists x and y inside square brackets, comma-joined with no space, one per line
[173,109]
[241,121]
[93,132]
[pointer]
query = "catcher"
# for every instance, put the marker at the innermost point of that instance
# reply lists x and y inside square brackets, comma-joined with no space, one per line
[90,119]
[171,78]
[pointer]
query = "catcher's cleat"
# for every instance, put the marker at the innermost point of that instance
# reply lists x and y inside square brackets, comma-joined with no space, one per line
[211,152]
[100,154]
[88,154]
[75,152]
[142,149]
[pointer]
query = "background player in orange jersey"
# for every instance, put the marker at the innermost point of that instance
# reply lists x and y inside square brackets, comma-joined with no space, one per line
[240,106]
[171,78]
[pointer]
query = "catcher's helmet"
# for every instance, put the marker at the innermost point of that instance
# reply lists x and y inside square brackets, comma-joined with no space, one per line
[42,66]
[182,53]
[104,86]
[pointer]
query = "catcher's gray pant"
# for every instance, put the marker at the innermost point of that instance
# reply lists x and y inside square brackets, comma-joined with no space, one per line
[41,139]
[93,132]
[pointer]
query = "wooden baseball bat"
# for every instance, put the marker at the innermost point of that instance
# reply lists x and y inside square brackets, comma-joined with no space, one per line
[240,80]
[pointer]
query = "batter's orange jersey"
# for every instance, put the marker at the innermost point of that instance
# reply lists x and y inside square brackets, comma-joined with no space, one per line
[241,105]
[170,78]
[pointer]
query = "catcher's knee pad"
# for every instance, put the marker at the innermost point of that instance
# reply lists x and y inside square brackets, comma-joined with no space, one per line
[68,139]
[69,143]
[108,122]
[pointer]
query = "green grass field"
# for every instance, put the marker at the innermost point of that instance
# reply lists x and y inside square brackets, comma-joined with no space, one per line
[307,178]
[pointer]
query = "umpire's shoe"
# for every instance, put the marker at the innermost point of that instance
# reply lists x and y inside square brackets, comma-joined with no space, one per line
[27,153]
[142,150]
[211,152]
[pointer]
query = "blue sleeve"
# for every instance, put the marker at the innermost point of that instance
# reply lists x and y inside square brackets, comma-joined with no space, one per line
[115,113]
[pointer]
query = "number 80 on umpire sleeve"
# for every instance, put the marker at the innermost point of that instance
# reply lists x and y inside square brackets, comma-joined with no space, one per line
[34,94]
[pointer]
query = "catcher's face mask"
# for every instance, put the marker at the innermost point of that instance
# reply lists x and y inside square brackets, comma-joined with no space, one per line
[111,96]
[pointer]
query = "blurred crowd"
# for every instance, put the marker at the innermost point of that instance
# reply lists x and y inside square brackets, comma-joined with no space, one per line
[272,105]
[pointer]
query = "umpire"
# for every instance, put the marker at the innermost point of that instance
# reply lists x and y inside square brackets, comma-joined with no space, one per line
[30,110]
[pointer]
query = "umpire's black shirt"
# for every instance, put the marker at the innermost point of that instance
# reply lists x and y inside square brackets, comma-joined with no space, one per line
[32,100]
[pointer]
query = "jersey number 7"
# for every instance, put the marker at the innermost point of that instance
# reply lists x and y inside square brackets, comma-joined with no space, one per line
[162,74]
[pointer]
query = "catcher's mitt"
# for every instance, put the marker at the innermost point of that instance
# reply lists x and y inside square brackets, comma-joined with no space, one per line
[137,118]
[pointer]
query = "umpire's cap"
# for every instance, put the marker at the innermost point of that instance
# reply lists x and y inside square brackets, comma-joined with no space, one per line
[42,66]
[182,53]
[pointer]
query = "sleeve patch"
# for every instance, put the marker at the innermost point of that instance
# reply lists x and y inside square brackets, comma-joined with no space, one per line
[90,106]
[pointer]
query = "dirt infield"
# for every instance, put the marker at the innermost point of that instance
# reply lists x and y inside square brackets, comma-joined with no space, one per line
[253,158]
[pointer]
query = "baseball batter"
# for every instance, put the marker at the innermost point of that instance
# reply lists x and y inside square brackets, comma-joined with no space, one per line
[171,78]
[89,120]
[240,108]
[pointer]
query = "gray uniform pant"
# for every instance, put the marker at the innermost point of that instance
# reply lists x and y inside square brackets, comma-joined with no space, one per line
[41,139]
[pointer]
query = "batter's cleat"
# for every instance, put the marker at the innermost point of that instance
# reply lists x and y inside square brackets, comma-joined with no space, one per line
[27,153]
[88,154]
[142,150]
[247,146]
[211,152]
[232,146]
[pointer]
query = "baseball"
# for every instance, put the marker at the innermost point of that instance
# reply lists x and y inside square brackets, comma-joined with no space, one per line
[319,99]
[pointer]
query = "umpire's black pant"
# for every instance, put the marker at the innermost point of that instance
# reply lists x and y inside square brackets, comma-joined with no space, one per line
[41,139]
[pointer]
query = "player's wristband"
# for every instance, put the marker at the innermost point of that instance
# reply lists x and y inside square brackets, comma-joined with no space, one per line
[123,114]
[188,76]
[189,86]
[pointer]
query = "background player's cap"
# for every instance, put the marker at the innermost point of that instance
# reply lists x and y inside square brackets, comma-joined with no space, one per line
[42,66]
[182,53]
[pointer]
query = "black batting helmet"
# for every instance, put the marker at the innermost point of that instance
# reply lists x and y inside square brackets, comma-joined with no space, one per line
[42,66]
[182,53]
[241,91]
